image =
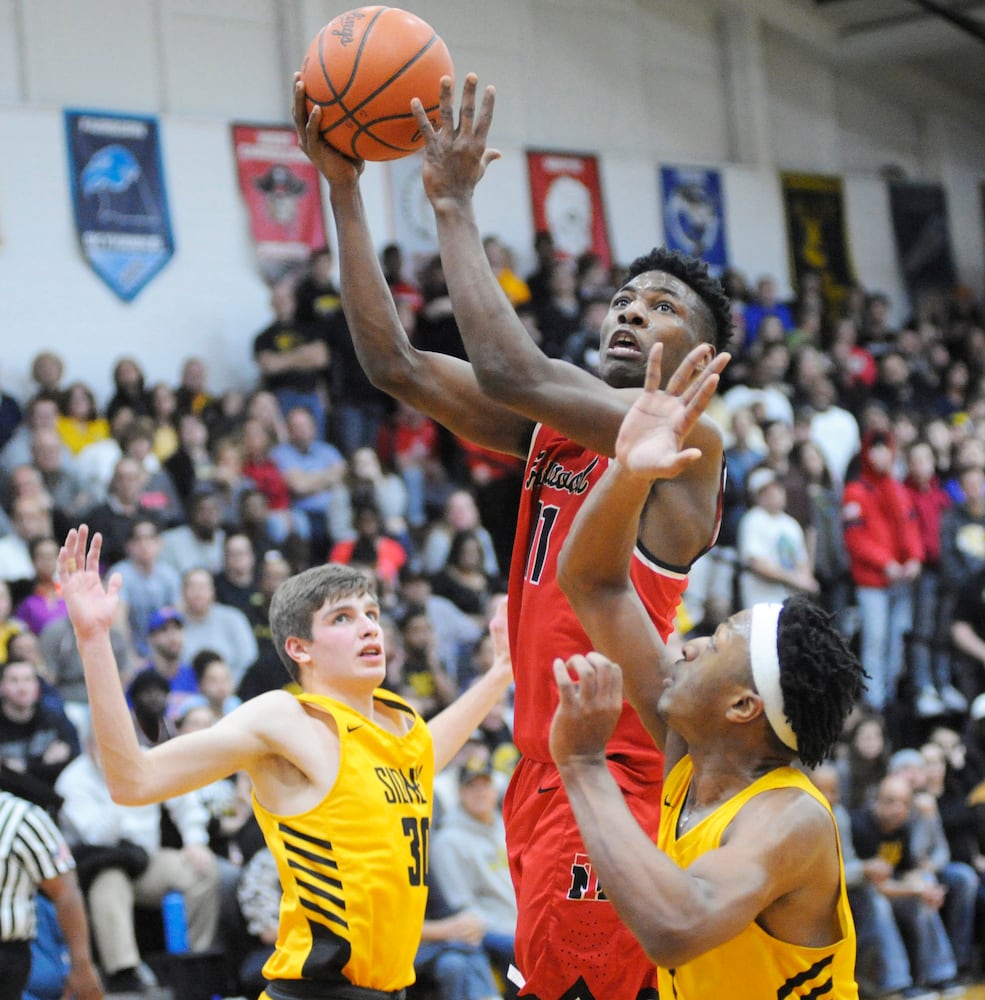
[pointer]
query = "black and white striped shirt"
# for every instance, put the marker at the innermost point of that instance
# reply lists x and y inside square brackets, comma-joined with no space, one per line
[32,850]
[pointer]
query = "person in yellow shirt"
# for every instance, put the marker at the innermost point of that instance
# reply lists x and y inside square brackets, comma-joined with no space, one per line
[743,895]
[341,773]
[80,423]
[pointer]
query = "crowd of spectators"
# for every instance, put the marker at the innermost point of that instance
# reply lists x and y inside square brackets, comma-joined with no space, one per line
[856,473]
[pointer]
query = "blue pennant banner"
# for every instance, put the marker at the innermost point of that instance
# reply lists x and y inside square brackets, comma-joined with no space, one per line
[121,208]
[694,214]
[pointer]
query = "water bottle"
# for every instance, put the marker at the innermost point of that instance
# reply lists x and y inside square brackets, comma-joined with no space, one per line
[175,927]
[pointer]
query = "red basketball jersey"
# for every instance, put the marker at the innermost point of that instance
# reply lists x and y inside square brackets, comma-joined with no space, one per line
[559,474]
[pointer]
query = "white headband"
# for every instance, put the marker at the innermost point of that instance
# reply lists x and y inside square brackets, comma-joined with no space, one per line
[766,669]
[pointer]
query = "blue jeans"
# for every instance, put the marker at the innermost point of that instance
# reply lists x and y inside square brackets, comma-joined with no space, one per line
[883,965]
[929,657]
[931,954]
[357,426]
[887,615]
[461,970]
[499,948]
[962,884]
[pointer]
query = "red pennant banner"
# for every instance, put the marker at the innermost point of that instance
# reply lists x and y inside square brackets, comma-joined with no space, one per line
[280,187]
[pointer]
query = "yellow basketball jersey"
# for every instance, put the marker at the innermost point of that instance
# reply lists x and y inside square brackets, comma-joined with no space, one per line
[753,965]
[354,868]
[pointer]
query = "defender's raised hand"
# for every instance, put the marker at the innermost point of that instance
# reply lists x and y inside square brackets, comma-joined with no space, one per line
[589,706]
[456,158]
[658,423]
[92,607]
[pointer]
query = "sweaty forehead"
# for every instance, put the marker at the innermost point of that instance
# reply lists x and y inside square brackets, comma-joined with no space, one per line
[660,281]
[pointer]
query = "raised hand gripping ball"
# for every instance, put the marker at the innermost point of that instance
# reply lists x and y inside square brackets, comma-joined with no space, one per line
[363,68]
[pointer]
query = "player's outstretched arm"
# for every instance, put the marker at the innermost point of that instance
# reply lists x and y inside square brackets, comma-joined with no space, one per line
[509,366]
[649,448]
[453,726]
[779,845]
[135,777]
[445,388]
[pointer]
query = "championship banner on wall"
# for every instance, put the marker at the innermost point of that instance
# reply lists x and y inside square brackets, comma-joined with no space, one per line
[923,239]
[694,214]
[816,233]
[567,201]
[280,187]
[121,208]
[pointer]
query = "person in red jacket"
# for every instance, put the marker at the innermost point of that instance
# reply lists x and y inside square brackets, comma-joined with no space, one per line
[886,553]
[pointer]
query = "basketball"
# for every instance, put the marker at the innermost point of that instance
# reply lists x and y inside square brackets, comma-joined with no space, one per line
[363,68]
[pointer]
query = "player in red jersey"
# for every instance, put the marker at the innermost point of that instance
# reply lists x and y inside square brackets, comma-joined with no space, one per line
[512,398]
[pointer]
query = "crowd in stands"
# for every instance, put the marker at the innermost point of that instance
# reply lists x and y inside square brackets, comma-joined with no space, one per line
[856,474]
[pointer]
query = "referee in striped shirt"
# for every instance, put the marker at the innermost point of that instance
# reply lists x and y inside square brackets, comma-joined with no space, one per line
[33,856]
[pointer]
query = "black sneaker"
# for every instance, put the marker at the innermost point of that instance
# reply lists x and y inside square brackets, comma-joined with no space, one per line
[124,981]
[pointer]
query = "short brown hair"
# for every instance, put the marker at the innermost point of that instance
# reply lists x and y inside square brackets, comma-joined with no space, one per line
[296,600]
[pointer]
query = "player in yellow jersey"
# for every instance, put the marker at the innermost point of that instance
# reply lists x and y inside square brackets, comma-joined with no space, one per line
[342,773]
[744,894]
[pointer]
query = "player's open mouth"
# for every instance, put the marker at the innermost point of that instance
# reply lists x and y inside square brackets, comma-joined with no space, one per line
[624,345]
[371,651]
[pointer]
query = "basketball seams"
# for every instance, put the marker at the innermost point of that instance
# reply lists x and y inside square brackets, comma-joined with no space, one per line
[366,130]
[339,95]
[350,113]
[334,68]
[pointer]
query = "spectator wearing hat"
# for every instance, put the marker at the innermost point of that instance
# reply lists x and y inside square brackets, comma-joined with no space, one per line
[469,860]
[885,554]
[772,546]
[168,657]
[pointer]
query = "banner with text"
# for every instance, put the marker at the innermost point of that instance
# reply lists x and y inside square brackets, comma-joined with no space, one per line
[694,214]
[923,238]
[280,187]
[566,197]
[817,236]
[119,197]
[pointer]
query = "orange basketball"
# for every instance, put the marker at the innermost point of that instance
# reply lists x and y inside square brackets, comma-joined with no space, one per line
[363,68]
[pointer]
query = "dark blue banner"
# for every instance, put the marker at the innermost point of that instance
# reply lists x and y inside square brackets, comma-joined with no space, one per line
[121,208]
[923,237]
[694,214]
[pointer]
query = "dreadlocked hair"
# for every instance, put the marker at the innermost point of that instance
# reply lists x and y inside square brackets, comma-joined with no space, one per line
[820,677]
[694,274]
